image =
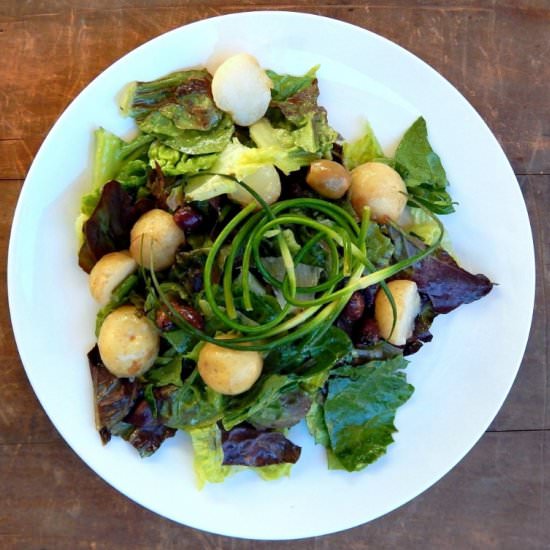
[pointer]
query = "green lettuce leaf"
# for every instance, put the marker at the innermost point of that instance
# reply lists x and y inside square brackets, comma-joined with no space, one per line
[360,408]
[174,163]
[115,158]
[426,228]
[191,142]
[169,373]
[315,421]
[379,247]
[285,85]
[364,149]
[189,406]
[309,355]
[265,392]
[422,171]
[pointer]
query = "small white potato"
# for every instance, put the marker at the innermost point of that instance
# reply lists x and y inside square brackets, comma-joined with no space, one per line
[108,273]
[265,181]
[380,187]
[242,88]
[154,239]
[128,342]
[407,304]
[229,371]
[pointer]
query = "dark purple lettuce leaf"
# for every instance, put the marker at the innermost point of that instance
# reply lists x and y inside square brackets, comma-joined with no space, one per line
[143,430]
[439,277]
[113,397]
[245,446]
[108,228]
[122,410]
[447,284]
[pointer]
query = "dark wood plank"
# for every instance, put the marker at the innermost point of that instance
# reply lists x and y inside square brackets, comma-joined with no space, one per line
[493,499]
[494,53]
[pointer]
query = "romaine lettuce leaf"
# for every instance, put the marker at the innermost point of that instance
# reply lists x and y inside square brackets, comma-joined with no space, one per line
[364,149]
[360,408]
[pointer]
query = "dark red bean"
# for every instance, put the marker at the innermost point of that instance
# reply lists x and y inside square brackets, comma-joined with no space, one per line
[191,315]
[355,307]
[367,333]
[188,219]
[164,318]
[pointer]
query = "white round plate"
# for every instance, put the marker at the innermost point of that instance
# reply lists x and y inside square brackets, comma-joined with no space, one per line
[461,378]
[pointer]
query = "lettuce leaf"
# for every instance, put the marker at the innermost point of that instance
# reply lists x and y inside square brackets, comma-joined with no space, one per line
[285,85]
[421,169]
[366,148]
[189,406]
[181,100]
[248,446]
[360,408]
[426,228]
[174,163]
[115,159]
[108,228]
[309,355]
[294,107]
[208,459]
[190,142]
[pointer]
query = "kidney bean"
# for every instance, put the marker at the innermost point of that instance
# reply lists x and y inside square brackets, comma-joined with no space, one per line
[188,219]
[164,318]
[355,307]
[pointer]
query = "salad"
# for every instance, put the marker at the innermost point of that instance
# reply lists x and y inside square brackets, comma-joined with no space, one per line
[253,269]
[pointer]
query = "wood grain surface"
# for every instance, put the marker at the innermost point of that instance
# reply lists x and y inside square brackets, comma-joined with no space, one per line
[496,53]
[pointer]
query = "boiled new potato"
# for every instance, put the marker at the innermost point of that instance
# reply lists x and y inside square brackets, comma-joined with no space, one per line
[128,342]
[241,88]
[154,239]
[380,187]
[108,273]
[229,371]
[407,304]
[265,182]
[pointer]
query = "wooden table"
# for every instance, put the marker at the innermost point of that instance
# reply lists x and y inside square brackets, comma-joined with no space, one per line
[496,53]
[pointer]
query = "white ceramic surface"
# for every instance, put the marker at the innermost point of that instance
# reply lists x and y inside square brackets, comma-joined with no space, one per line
[461,378]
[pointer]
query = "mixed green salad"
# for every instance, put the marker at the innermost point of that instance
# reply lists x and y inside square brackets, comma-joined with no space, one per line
[254,270]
